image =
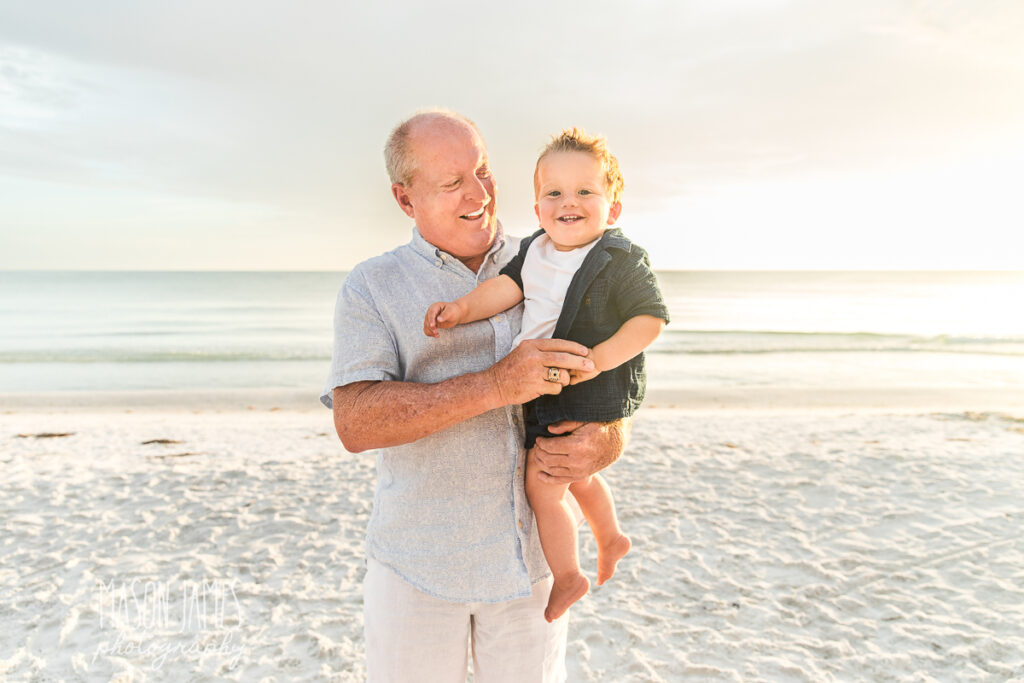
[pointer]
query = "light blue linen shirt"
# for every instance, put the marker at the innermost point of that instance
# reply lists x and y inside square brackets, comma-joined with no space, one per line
[450,514]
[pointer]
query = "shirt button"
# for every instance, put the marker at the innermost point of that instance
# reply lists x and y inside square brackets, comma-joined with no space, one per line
[437,263]
[499,318]
[520,524]
[519,471]
[515,419]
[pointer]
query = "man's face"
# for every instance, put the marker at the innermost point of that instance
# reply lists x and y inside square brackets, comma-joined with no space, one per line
[451,196]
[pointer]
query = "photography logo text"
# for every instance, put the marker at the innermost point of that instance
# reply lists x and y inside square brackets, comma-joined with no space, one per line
[160,621]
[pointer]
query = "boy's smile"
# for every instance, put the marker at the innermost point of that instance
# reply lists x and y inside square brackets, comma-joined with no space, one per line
[572,199]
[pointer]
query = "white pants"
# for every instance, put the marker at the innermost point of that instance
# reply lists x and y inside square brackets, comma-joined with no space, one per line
[411,636]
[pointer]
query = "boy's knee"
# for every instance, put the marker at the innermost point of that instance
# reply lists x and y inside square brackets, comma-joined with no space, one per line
[583,485]
[542,495]
[537,491]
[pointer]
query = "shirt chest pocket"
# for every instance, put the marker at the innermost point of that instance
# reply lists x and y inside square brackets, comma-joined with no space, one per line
[597,318]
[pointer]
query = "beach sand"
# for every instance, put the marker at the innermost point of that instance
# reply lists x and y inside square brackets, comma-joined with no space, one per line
[786,545]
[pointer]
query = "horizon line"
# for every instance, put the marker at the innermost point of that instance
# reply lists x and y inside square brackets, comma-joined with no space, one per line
[658,270]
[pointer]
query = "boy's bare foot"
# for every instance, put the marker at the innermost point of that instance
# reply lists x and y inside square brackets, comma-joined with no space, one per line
[564,593]
[609,556]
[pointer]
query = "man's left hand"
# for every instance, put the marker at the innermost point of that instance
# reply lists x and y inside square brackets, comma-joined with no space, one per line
[584,449]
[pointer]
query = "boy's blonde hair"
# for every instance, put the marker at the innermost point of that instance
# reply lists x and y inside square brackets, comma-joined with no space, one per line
[576,140]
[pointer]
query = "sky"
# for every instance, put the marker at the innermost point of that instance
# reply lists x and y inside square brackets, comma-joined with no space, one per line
[752,134]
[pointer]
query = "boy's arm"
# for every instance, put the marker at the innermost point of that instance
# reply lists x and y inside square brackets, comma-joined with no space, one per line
[635,335]
[488,298]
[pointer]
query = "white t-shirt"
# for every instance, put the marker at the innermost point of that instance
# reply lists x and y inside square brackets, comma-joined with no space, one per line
[546,275]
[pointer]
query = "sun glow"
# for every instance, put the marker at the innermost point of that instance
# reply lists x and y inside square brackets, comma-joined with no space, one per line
[964,217]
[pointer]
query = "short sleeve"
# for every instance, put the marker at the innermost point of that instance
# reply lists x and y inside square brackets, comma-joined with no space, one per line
[514,268]
[637,292]
[364,348]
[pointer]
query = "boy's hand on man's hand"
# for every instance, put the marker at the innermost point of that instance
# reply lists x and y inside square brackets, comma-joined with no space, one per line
[577,376]
[441,314]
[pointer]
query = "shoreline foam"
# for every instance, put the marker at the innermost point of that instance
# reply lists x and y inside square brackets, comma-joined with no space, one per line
[744,399]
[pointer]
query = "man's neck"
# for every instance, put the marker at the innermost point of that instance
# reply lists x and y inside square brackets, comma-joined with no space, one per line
[474,263]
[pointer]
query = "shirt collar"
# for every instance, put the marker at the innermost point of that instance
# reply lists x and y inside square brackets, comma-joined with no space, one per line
[421,246]
[498,243]
[613,239]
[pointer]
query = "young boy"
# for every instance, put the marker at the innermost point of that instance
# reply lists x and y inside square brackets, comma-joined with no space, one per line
[590,285]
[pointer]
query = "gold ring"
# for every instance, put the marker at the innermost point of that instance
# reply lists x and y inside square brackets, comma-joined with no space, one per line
[554,375]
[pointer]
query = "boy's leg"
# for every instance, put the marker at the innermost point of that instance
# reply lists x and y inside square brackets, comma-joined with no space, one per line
[556,526]
[595,499]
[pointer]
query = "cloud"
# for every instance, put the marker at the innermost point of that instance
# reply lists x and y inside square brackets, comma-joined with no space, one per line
[286,107]
[32,89]
[988,36]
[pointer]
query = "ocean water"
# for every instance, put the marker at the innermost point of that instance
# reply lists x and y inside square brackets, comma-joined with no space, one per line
[101,331]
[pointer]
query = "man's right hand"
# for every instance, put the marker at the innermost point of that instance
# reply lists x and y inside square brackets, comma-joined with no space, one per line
[521,376]
[442,314]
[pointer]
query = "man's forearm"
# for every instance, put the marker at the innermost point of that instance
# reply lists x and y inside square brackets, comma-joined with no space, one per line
[380,414]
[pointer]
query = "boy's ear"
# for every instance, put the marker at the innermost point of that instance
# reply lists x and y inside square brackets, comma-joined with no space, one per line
[613,212]
[536,210]
[402,197]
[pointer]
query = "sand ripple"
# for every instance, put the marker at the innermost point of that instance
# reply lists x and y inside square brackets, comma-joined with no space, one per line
[859,547]
[766,547]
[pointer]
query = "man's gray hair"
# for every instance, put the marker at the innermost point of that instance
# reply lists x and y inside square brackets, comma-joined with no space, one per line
[398,158]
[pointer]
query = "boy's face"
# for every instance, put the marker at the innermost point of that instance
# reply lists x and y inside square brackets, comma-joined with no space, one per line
[572,199]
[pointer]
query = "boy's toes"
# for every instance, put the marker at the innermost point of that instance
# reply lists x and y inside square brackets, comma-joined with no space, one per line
[608,558]
[563,594]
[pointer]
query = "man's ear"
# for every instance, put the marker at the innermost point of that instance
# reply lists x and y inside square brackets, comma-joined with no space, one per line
[402,197]
[613,212]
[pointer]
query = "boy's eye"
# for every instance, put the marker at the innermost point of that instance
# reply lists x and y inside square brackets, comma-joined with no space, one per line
[554,193]
[586,192]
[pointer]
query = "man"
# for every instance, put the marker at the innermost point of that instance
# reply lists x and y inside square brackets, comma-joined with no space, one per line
[453,553]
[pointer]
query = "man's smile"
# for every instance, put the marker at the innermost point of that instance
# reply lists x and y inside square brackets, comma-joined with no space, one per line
[476,214]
